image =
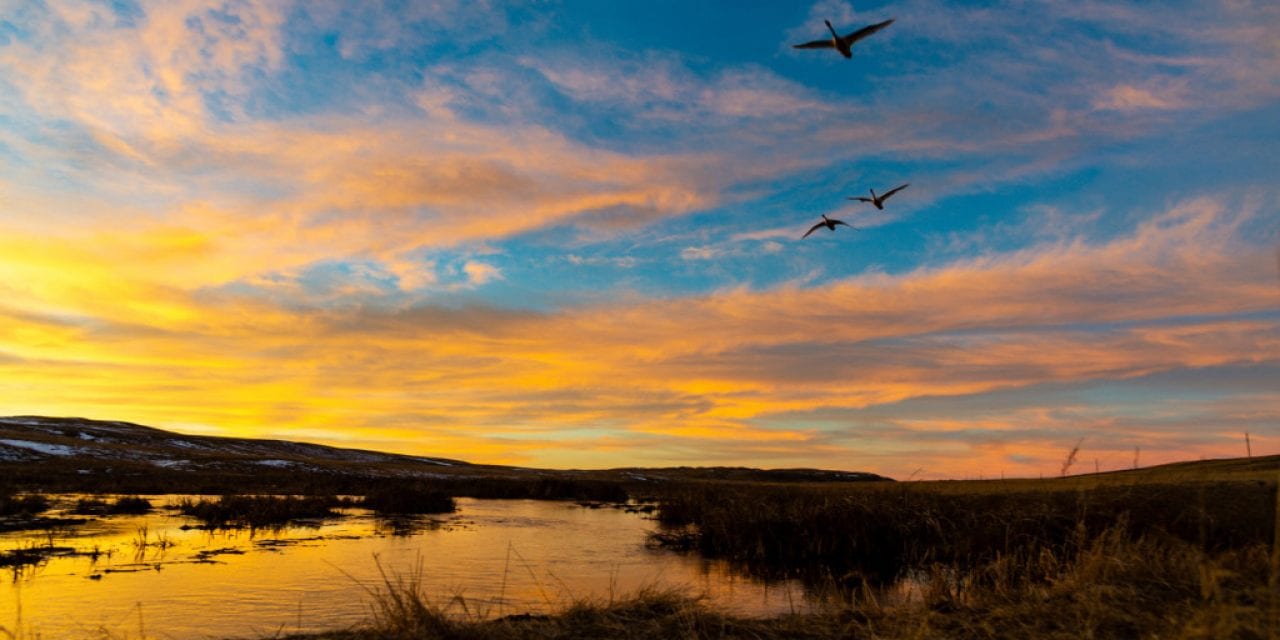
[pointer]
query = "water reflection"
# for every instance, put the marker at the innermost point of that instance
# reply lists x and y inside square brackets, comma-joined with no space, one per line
[495,557]
[411,525]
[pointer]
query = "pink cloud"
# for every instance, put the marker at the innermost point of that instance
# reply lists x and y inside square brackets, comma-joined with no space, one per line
[1132,98]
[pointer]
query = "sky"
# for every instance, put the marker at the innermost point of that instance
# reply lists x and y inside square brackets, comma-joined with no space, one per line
[567,234]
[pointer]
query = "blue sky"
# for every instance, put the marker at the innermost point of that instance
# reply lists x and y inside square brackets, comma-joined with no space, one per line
[568,233]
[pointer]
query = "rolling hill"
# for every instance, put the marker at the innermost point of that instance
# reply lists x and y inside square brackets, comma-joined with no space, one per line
[82,454]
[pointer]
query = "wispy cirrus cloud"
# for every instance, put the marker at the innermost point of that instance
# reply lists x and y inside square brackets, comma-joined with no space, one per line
[261,197]
[665,89]
[1128,97]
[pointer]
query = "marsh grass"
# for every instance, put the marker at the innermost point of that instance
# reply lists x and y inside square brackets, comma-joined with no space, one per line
[878,534]
[235,511]
[413,499]
[24,513]
[130,505]
[144,541]
[125,505]
[1186,558]
[1115,587]
[32,555]
[23,505]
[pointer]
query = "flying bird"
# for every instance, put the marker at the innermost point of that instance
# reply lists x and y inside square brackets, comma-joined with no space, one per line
[844,44]
[829,223]
[878,200]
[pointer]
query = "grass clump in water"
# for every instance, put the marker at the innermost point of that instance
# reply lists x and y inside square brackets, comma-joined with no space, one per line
[233,511]
[26,505]
[126,505]
[130,505]
[407,500]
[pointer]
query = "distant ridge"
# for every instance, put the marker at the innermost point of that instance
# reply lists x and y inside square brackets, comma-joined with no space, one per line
[25,438]
[80,452]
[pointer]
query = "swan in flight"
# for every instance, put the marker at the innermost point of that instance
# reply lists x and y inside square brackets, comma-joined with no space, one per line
[878,200]
[844,44]
[829,223]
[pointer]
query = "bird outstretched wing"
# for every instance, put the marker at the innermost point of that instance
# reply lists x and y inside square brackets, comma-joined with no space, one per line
[834,221]
[864,32]
[812,229]
[892,191]
[816,44]
[861,199]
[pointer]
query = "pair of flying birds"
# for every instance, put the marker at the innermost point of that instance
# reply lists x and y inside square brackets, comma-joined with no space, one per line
[877,200]
[844,44]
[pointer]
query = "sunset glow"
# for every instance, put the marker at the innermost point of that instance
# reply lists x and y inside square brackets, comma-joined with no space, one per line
[567,234]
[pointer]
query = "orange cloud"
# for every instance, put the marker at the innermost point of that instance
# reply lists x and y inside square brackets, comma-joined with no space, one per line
[131,101]
[740,373]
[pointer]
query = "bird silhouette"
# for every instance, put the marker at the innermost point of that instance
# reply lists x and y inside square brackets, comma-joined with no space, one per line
[829,223]
[844,44]
[878,200]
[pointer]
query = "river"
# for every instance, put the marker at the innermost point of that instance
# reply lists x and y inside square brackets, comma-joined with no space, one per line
[155,577]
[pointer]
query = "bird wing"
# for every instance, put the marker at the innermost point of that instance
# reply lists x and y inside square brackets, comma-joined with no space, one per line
[834,221]
[812,229]
[864,32]
[861,199]
[816,44]
[885,196]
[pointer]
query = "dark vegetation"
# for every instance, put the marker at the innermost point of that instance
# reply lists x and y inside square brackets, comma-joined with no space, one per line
[35,555]
[881,533]
[580,489]
[21,505]
[236,511]
[410,499]
[24,512]
[126,505]
[146,479]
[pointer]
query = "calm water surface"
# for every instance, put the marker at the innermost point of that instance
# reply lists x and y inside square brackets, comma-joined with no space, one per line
[491,558]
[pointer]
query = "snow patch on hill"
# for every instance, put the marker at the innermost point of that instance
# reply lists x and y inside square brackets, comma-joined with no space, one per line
[279,464]
[42,447]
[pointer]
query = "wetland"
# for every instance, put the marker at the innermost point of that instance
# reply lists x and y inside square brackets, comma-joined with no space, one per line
[169,575]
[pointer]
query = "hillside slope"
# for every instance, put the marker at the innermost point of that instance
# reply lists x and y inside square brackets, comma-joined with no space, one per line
[81,454]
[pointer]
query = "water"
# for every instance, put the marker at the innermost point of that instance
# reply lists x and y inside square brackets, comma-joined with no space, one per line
[491,558]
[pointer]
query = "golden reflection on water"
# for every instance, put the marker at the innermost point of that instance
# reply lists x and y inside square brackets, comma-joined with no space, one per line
[144,576]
